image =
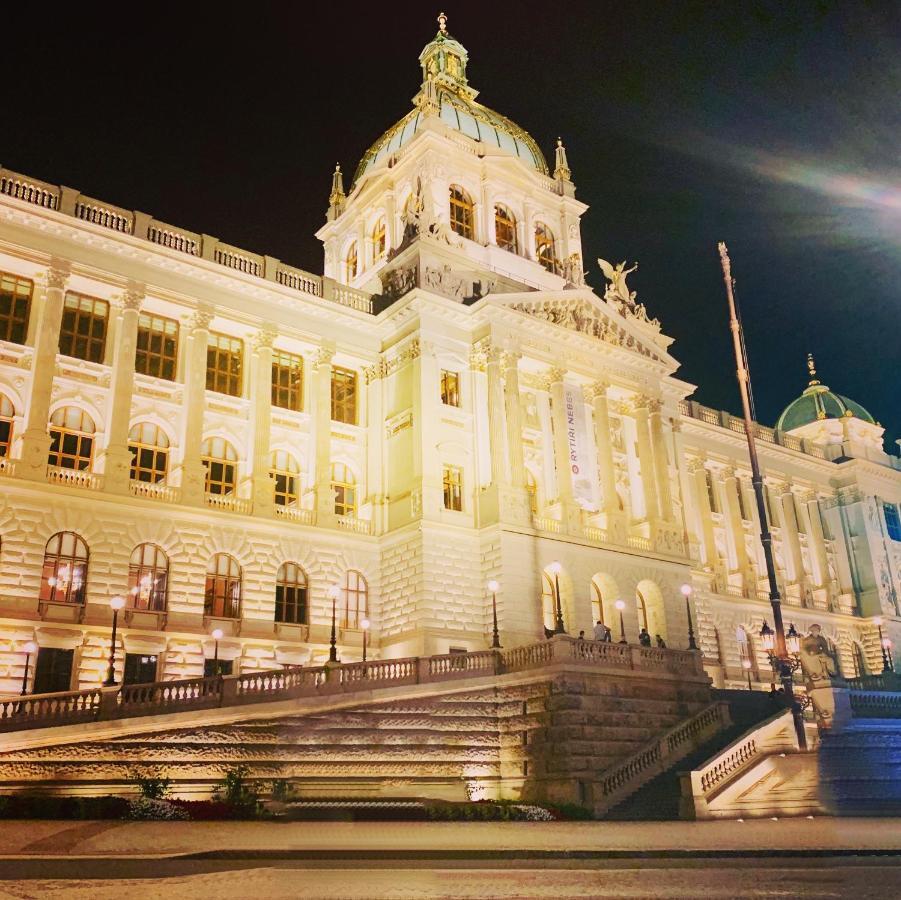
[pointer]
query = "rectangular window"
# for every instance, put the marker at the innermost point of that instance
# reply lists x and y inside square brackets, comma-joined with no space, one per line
[223,364]
[344,396]
[15,306]
[892,521]
[453,488]
[157,351]
[53,671]
[450,388]
[140,668]
[83,330]
[287,380]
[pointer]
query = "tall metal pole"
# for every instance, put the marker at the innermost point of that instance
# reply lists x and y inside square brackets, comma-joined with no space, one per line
[559,629]
[766,539]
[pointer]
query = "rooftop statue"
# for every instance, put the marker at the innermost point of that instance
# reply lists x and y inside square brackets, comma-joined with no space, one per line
[618,294]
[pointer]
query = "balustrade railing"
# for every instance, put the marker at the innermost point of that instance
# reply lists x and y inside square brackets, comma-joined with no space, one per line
[155,491]
[295,514]
[352,523]
[229,502]
[48,710]
[81,478]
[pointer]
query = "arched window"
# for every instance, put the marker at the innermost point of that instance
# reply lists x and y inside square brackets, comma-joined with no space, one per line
[548,601]
[858,660]
[351,262]
[545,250]
[71,438]
[64,577]
[344,486]
[148,578]
[505,228]
[461,212]
[356,599]
[149,446]
[532,490]
[285,472]
[291,595]
[378,239]
[221,463]
[597,603]
[642,608]
[222,593]
[7,414]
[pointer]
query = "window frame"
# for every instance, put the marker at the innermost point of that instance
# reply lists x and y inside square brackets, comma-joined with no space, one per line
[14,321]
[7,425]
[292,595]
[356,589]
[209,459]
[162,361]
[450,388]
[59,455]
[503,217]
[341,488]
[452,485]
[225,364]
[79,309]
[70,556]
[379,238]
[223,590]
[461,211]
[287,380]
[344,395]
[290,493]
[144,577]
[352,261]
[139,447]
[546,240]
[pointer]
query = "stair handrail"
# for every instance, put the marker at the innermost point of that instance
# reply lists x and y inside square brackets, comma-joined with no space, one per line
[630,774]
[699,786]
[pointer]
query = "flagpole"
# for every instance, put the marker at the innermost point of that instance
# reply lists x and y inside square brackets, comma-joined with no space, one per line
[781,658]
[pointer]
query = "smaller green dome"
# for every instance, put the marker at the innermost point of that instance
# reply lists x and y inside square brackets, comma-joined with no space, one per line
[817,403]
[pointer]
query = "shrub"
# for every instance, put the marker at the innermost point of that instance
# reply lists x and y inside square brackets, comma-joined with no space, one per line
[571,811]
[158,810]
[238,793]
[153,788]
[279,790]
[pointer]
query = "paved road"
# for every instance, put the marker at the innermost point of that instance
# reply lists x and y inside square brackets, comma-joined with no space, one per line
[288,882]
[792,858]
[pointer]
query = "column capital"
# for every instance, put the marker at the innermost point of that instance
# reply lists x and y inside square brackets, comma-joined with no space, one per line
[597,389]
[265,337]
[695,465]
[132,297]
[555,374]
[58,273]
[510,359]
[324,355]
[200,319]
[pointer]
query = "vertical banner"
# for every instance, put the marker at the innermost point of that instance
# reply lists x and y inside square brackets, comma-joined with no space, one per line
[577,443]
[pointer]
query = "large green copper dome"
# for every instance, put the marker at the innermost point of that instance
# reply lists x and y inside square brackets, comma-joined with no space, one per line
[446,92]
[817,403]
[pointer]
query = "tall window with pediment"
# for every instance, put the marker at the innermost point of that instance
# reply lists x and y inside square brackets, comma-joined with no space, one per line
[82,332]
[545,248]
[351,262]
[15,306]
[505,229]
[461,212]
[379,240]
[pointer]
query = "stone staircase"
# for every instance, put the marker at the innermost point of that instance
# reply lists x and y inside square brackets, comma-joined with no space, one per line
[548,722]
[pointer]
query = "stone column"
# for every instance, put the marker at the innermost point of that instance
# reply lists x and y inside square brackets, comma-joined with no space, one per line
[570,512]
[646,457]
[193,474]
[263,488]
[391,236]
[661,463]
[514,420]
[36,439]
[817,543]
[116,457]
[322,418]
[604,443]
[704,513]
[496,416]
[734,525]
[791,542]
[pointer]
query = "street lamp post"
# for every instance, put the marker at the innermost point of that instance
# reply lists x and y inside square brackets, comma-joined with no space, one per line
[333,593]
[785,665]
[555,568]
[686,593]
[29,648]
[884,645]
[620,605]
[364,624]
[494,587]
[216,634]
[746,665]
[116,603]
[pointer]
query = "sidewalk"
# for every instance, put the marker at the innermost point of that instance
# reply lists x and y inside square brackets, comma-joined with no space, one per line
[165,839]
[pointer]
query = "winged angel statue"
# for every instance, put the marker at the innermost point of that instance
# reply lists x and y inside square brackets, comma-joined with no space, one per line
[618,294]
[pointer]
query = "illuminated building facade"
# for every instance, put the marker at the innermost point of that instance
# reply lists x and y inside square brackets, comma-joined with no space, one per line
[231,443]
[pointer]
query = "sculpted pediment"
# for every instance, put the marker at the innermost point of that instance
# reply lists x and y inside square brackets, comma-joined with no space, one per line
[581,315]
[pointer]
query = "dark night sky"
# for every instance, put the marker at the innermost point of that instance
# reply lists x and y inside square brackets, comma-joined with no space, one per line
[773,126]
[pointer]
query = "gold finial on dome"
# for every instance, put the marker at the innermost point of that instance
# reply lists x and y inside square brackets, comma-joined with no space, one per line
[812,369]
[442,23]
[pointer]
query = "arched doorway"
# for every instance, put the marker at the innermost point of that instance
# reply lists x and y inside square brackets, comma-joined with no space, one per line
[604,594]
[650,608]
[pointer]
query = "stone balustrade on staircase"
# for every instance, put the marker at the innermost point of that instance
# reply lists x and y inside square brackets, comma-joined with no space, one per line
[161,697]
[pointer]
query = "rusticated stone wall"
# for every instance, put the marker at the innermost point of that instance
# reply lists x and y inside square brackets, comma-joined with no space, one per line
[544,738]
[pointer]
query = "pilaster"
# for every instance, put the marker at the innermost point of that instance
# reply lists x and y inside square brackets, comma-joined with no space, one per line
[322,419]
[263,489]
[570,513]
[615,519]
[193,474]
